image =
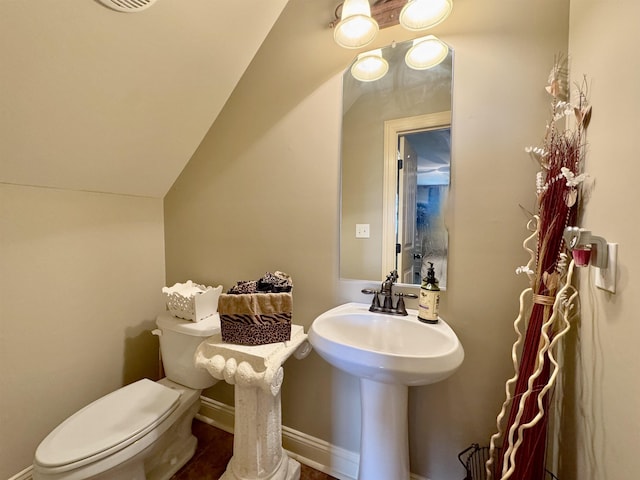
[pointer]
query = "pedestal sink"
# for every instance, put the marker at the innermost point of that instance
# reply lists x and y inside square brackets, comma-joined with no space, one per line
[389,353]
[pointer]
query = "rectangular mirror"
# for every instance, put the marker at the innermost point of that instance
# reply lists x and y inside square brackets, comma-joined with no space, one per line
[395,177]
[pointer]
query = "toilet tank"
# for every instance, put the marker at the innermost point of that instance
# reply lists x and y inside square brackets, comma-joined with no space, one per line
[179,340]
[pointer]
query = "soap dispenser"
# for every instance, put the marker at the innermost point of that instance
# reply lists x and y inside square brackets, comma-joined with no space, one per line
[429,300]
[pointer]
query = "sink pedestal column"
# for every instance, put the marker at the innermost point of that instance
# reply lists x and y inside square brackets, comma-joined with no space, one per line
[384,441]
[257,373]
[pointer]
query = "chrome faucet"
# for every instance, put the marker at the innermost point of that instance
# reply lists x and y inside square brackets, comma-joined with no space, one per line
[386,289]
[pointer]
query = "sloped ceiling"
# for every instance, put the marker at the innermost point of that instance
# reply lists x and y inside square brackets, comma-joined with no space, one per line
[98,100]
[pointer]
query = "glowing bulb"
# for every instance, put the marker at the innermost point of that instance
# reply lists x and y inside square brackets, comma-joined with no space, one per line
[356,28]
[370,66]
[426,52]
[423,14]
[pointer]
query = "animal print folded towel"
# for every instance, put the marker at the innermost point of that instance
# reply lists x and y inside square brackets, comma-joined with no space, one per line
[277,282]
[265,307]
[255,318]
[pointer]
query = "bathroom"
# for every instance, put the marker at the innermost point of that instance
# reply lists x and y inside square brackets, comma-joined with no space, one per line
[96,217]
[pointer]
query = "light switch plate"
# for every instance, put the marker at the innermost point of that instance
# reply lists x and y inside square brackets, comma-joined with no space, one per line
[362,230]
[606,277]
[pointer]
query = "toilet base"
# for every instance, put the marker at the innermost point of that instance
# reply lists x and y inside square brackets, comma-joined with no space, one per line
[161,460]
[173,450]
[136,468]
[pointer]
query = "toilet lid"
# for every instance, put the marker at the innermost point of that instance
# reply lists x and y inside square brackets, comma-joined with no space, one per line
[109,424]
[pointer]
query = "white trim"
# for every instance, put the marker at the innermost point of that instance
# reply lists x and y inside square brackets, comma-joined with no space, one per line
[215,413]
[392,129]
[25,474]
[320,455]
[313,452]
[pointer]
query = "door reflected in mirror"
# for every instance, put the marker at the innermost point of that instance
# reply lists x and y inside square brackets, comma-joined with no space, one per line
[422,175]
[396,161]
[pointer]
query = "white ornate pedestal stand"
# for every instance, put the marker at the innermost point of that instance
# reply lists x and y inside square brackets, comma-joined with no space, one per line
[257,373]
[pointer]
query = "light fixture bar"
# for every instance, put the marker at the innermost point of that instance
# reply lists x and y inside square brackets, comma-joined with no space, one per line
[386,14]
[356,22]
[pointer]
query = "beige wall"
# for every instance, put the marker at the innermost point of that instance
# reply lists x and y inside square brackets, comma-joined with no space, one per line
[80,281]
[262,193]
[601,431]
[94,99]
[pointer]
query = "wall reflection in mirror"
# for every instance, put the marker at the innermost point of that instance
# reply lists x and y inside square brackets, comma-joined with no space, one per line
[395,178]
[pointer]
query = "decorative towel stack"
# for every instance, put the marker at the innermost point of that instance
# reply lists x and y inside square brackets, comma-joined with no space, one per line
[257,312]
[192,301]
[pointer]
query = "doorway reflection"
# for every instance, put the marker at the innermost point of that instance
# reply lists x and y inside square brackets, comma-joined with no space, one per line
[432,179]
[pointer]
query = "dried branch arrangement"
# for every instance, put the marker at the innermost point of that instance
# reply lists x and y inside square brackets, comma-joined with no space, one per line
[549,302]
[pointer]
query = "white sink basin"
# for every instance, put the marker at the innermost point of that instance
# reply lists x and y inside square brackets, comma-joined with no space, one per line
[389,353]
[386,348]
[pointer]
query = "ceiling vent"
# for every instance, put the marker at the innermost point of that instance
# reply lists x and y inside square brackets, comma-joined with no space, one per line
[128,6]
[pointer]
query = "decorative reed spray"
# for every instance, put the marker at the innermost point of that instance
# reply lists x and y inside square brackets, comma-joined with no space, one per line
[550,299]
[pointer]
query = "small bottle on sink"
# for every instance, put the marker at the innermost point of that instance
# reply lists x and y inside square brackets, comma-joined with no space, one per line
[429,299]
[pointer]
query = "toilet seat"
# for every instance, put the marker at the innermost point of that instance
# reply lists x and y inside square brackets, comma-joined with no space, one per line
[90,434]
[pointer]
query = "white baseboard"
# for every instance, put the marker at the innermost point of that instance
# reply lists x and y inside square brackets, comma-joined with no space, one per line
[215,413]
[25,474]
[317,454]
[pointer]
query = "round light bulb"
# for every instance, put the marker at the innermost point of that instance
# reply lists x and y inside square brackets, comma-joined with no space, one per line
[370,66]
[426,52]
[423,14]
[356,28]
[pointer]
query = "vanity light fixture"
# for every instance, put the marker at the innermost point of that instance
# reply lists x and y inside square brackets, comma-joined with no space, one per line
[356,28]
[359,22]
[426,52]
[370,66]
[423,14]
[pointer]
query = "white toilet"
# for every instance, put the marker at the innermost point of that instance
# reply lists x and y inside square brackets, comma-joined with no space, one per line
[141,431]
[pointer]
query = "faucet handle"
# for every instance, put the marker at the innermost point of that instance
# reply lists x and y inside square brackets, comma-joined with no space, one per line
[407,295]
[400,307]
[393,276]
[375,304]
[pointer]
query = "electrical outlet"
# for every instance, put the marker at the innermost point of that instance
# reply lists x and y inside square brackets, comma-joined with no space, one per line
[362,230]
[605,278]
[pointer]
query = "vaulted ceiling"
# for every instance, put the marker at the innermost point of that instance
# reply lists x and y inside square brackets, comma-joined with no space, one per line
[98,100]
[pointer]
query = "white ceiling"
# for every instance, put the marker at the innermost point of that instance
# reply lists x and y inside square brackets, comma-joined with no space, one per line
[97,100]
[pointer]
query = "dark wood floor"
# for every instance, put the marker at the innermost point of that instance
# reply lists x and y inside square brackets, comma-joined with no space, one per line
[215,448]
